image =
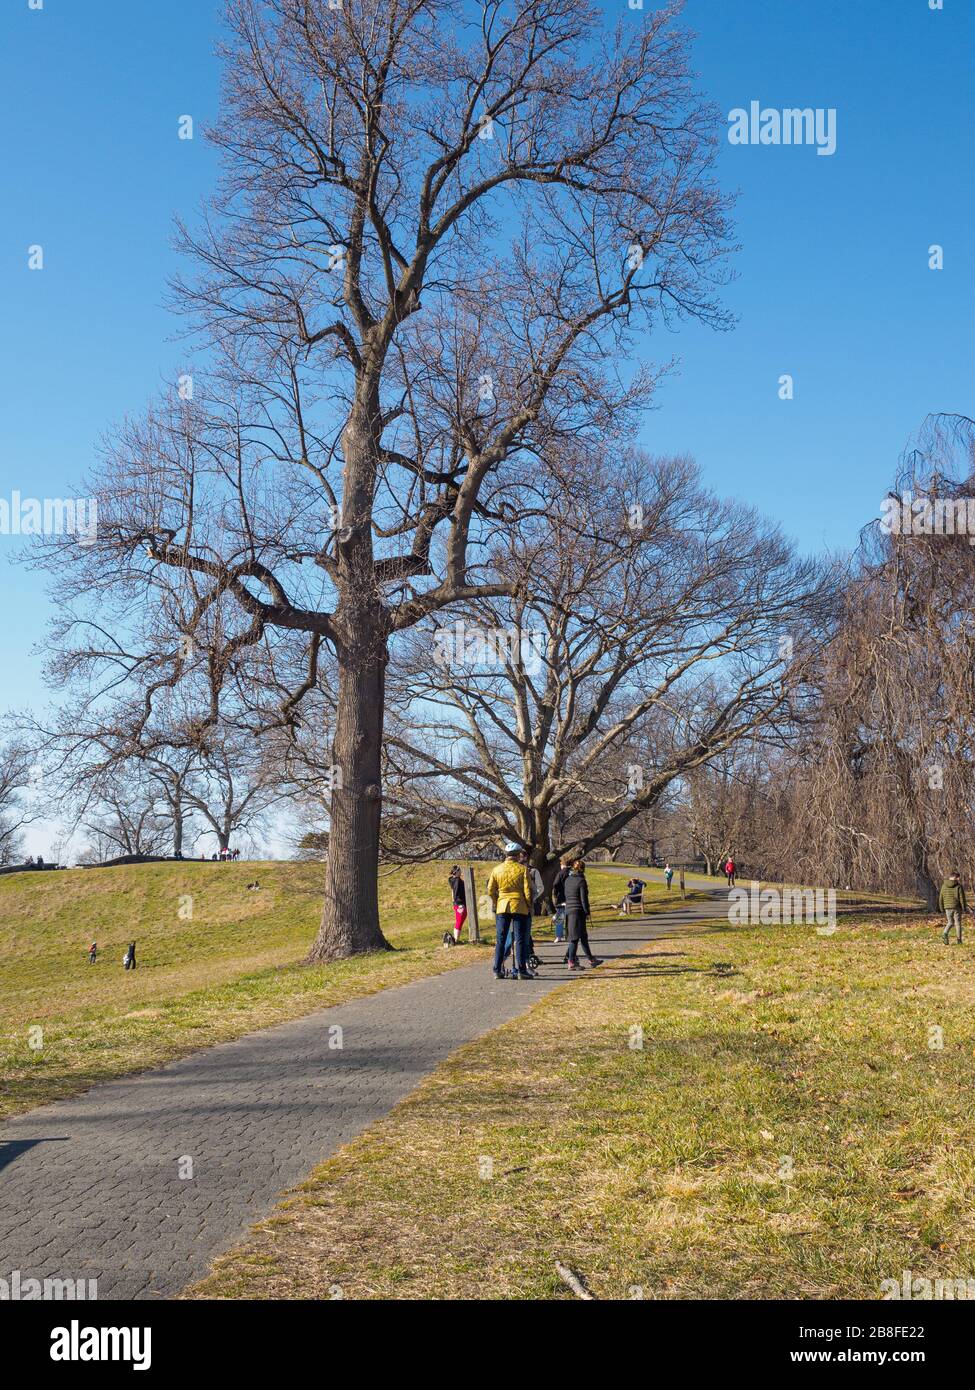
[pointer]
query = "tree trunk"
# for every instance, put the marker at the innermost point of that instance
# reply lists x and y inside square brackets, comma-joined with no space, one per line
[177,832]
[926,886]
[350,919]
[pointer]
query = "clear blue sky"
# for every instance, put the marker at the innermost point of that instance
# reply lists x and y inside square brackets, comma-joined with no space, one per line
[833,285]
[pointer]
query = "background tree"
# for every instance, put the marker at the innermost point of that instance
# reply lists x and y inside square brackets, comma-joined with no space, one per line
[632,657]
[16,769]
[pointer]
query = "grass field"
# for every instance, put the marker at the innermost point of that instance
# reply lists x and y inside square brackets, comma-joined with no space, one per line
[215,961]
[739,1113]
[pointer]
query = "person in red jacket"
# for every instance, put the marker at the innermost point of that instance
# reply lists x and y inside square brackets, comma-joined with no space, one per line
[729,869]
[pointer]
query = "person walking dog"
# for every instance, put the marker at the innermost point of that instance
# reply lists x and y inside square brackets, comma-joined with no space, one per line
[577,911]
[510,891]
[953,903]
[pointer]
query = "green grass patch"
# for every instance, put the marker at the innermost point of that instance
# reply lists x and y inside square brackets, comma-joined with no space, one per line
[215,961]
[735,1113]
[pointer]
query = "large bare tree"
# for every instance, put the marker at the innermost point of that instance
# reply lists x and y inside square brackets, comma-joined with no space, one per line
[439,227]
[654,627]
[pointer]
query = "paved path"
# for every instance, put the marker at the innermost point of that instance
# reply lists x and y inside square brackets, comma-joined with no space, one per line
[91,1187]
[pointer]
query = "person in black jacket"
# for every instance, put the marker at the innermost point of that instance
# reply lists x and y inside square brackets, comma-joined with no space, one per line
[459,895]
[558,898]
[576,914]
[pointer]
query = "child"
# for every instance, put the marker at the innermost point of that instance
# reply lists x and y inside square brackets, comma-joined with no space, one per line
[668,876]
[93,953]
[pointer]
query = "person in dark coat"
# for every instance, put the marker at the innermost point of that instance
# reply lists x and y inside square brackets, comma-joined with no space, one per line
[558,898]
[577,912]
[459,895]
[128,960]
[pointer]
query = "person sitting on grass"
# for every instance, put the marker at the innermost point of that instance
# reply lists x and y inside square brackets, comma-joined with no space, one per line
[953,903]
[577,911]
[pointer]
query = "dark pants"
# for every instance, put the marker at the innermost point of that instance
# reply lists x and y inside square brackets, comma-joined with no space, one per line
[578,936]
[504,924]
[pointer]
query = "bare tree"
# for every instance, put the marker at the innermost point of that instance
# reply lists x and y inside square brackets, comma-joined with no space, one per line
[654,628]
[882,793]
[438,229]
[16,767]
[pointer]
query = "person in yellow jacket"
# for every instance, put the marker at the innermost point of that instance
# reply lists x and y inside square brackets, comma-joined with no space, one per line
[509,889]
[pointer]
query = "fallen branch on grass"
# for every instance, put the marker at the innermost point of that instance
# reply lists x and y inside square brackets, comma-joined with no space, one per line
[574,1282]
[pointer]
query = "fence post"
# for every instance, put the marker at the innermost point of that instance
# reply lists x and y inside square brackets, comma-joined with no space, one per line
[470,892]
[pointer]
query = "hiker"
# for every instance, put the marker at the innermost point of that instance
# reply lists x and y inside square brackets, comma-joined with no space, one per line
[953,903]
[40,862]
[93,953]
[668,875]
[729,869]
[459,895]
[634,892]
[558,898]
[509,889]
[577,910]
[30,863]
[128,960]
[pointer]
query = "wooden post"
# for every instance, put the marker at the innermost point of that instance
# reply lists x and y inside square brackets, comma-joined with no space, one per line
[470,892]
[682,893]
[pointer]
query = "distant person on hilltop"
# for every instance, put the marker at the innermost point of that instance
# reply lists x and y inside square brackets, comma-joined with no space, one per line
[93,953]
[952,902]
[128,960]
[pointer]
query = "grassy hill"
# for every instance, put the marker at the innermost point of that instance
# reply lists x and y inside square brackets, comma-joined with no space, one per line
[215,961]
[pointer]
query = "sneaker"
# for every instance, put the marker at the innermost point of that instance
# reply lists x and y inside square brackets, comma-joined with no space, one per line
[572,965]
[498,974]
[596,960]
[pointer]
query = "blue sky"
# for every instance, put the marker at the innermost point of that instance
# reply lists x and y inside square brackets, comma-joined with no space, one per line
[833,282]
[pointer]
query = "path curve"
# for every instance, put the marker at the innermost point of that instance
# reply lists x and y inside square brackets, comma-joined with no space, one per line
[90,1187]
